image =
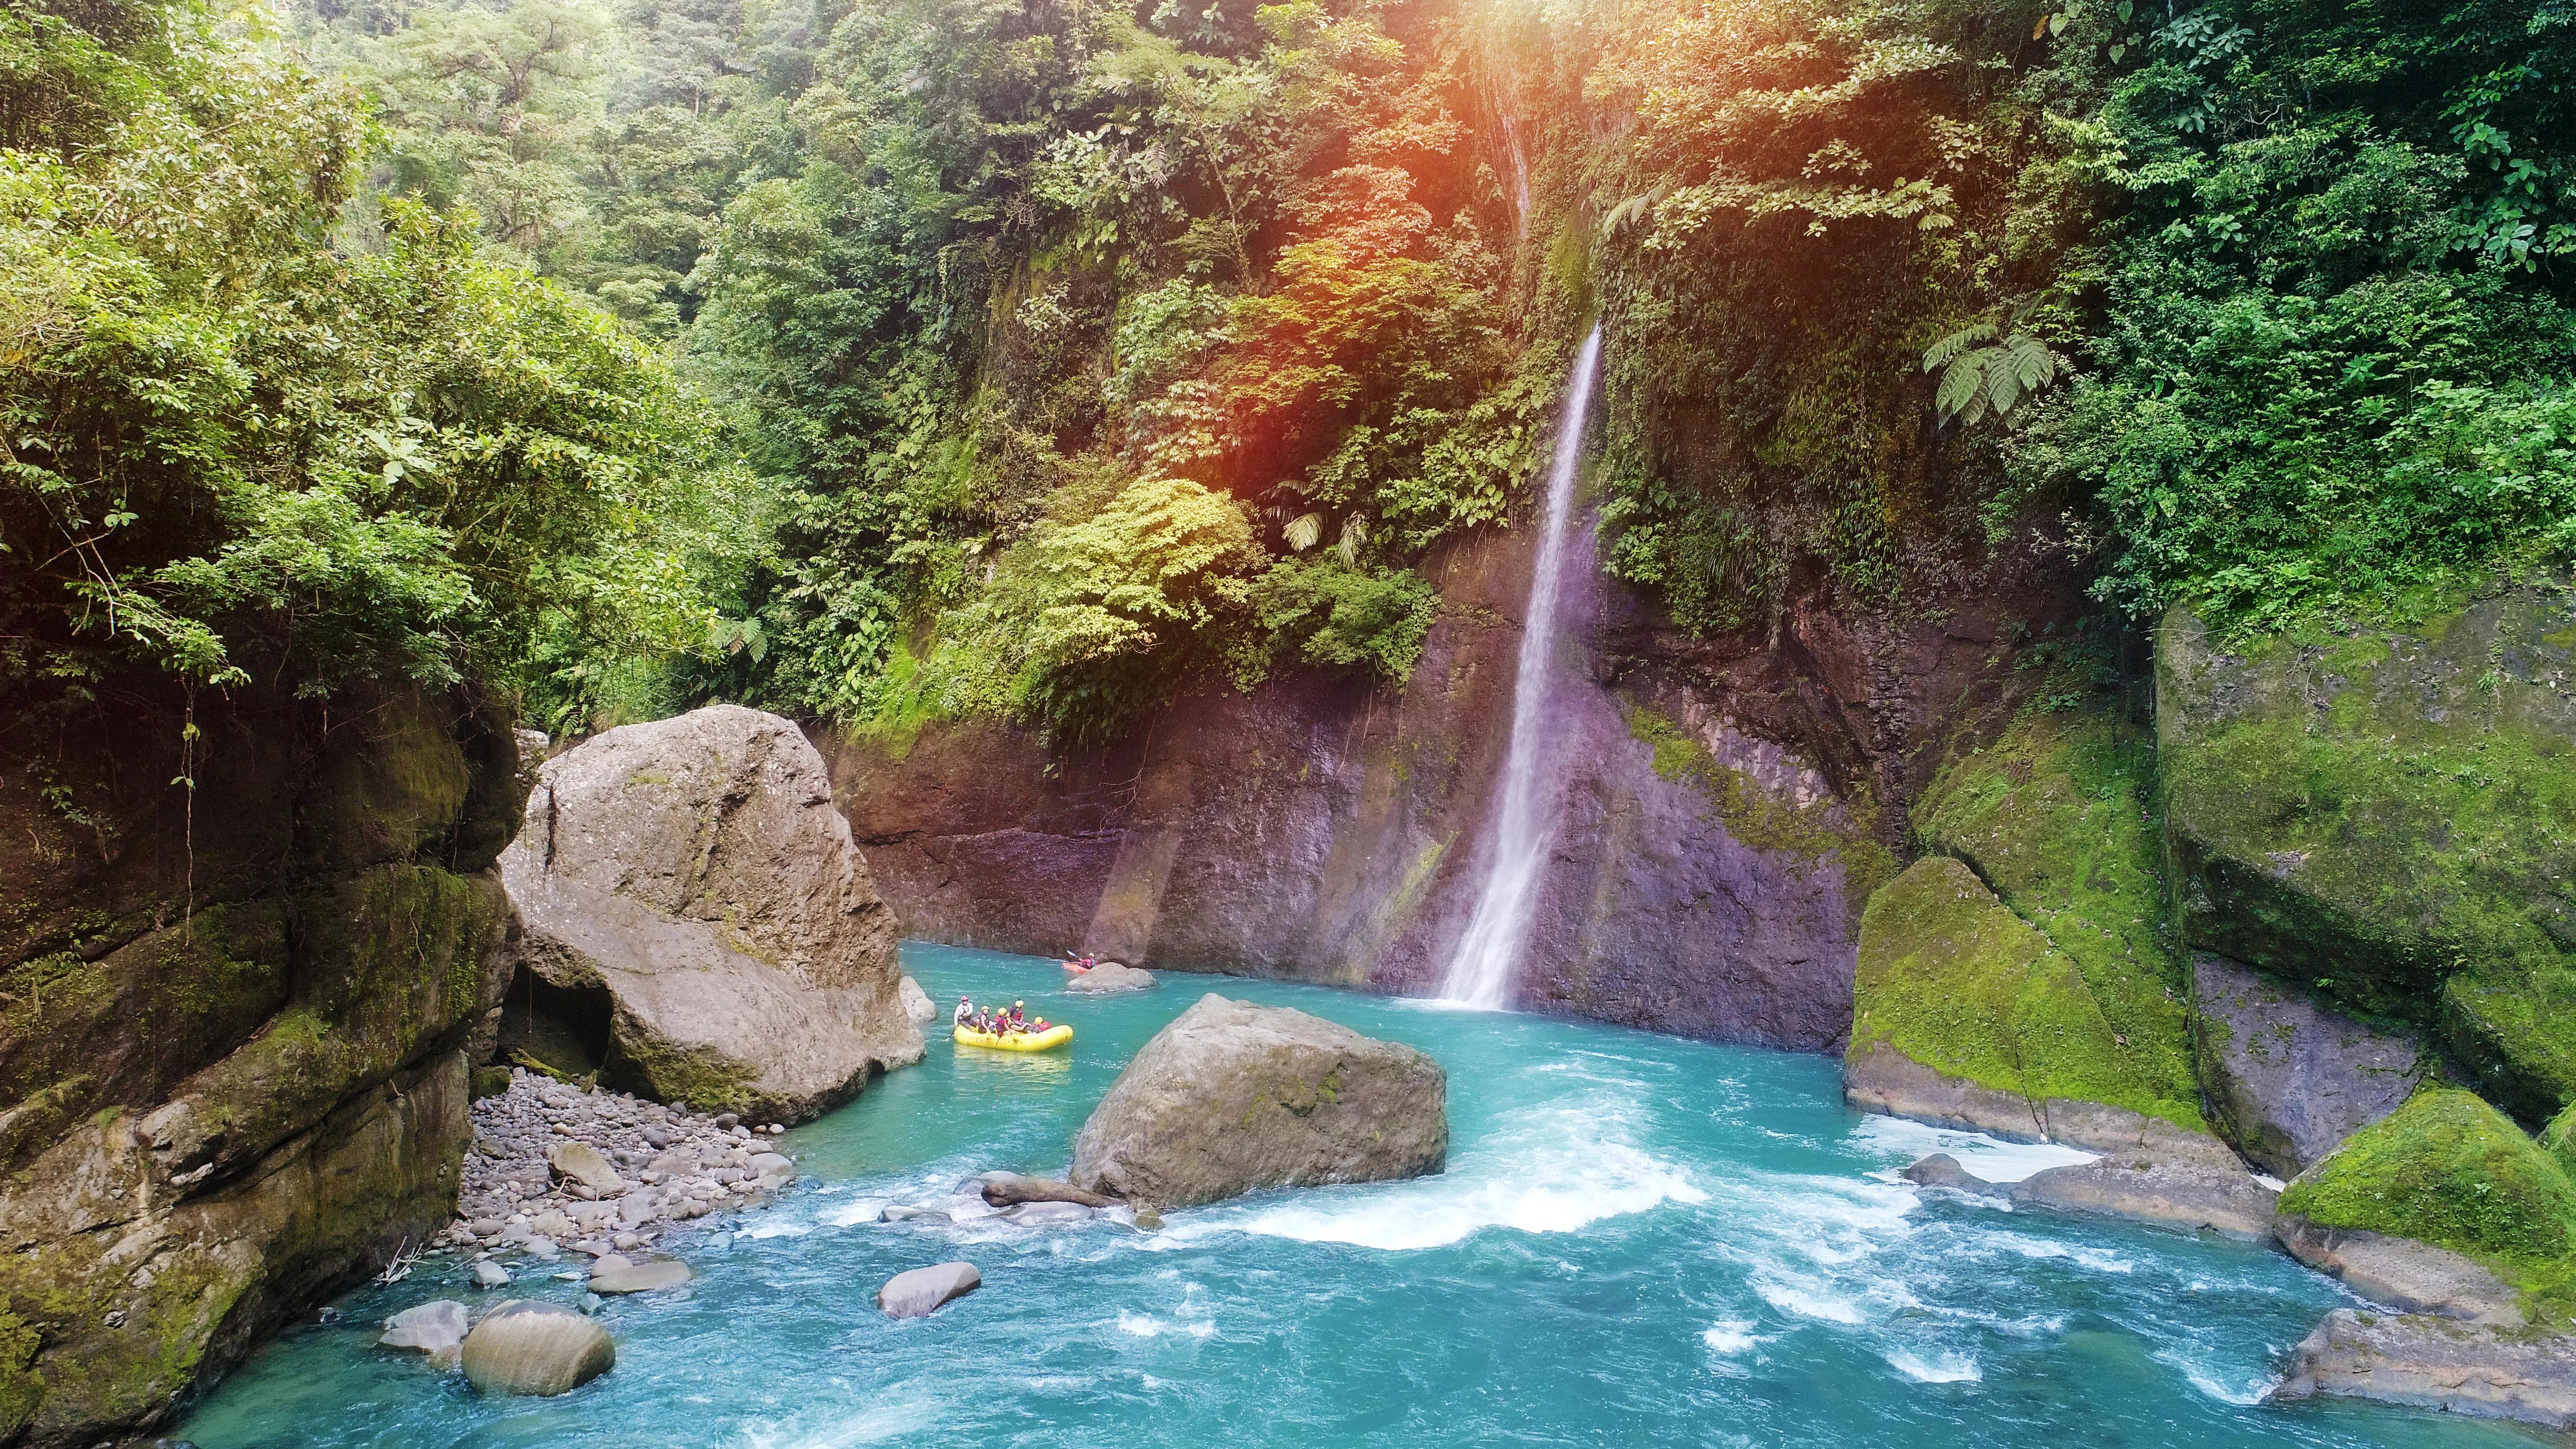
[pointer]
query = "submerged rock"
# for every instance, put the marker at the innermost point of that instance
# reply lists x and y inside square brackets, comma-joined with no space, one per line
[925,1290]
[1108,977]
[434,1328]
[689,881]
[1043,1214]
[2288,1079]
[1232,1097]
[2438,1363]
[536,1349]
[639,1277]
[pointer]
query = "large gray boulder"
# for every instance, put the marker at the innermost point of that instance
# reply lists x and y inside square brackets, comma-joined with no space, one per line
[2288,1080]
[694,872]
[536,1349]
[1232,1097]
[2438,1363]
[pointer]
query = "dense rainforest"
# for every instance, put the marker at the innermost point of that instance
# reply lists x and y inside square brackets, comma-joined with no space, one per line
[943,356]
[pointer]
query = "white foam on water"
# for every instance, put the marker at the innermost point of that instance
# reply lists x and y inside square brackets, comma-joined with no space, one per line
[879,1421]
[1808,1299]
[2243,1391]
[855,1212]
[1937,1367]
[1729,1336]
[1991,1158]
[776,1227]
[1557,1169]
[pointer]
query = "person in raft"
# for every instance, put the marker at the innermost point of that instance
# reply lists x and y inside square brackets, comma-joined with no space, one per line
[964,1015]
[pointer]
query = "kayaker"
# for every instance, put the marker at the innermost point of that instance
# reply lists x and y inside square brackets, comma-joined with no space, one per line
[1079,964]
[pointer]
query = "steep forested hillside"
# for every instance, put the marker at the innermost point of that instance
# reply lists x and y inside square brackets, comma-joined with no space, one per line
[1038,358]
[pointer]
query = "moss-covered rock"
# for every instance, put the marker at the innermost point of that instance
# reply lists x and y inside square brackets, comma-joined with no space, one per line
[2058,817]
[2450,1170]
[231,1021]
[2387,816]
[1950,978]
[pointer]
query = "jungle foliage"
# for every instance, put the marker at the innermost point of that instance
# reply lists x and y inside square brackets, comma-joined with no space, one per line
[1045,358]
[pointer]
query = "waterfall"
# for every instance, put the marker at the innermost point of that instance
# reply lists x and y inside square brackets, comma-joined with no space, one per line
[1480,974]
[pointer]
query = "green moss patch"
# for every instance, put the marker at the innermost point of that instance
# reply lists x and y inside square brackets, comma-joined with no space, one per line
[2388,817]
[2058,816]
[1952,978]
[2449,1170]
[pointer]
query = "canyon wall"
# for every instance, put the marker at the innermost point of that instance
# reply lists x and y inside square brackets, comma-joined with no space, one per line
[234,1021]
[1727,806]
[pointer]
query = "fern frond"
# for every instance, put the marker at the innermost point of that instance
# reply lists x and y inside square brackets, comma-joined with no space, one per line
[1960,385]
[1302,532]
[1626,214]
[1354,538]
[1940,353]
[2032,361]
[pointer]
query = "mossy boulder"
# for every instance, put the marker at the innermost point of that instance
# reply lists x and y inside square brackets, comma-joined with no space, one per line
[2387,816]
[2450,1170]
[1951,981]
[2057,816]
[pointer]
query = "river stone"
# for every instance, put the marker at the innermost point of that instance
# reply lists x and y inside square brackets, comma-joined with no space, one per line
[2288,1079]
[582,1163]
[433,1328]
[488,1274]
[2434,1362]
[639,1277]
[1002,1189]
[695,872]
[1941,1170]
[1108,977]
[925,1290]
[1232,1097]
[536,1349]
[2188,1193]
[2401,1273]
[916,1002]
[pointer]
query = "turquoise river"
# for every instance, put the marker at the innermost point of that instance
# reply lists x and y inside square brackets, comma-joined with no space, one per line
[1638,1240]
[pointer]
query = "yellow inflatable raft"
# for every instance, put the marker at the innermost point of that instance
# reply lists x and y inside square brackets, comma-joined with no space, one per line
[1018,1041]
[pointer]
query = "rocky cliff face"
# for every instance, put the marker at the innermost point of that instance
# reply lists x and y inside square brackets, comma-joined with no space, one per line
[2386,817]
[1727,807]
[232,1024]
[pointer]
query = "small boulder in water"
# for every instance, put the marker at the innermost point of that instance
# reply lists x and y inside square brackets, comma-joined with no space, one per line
[1002,1189]
[639,1277]
[925,1290]
[536,1349]
[1109,977]
[916,1002]
[1233,1097]
[1941,1170]
[434,1328]
[488,1274]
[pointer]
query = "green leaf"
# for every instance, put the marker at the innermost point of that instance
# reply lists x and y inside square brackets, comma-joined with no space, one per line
[1301,533]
